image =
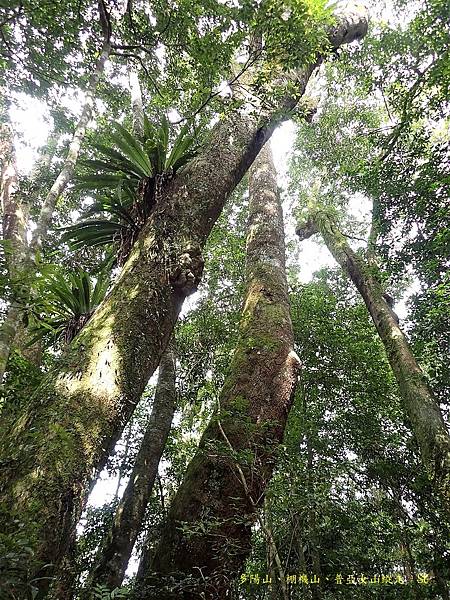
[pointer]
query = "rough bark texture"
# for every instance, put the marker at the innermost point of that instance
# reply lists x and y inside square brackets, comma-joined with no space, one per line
[226,480]
[421,408]
[115,554]
[78,413]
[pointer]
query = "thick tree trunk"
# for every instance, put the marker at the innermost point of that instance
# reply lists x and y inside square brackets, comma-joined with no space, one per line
[114,555]
[421,408]
[10,327]
[226,480]
[79,411]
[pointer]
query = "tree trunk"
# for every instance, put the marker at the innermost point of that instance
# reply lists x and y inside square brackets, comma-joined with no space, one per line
[77,414]
[276,569]
[14,219]
[13,331]
[114,555]
[123,462]
[302,563]
[9,328]
[14,224]
[226,480]
[137,106]
[313,539]
[421,408]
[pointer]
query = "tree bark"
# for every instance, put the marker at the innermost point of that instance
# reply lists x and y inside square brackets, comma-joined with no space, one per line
[123,461]
[226,480]
[14,214]
[77,414]
[114,555]
[419,404]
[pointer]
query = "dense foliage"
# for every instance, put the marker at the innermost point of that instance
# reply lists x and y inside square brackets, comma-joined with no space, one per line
[350,504]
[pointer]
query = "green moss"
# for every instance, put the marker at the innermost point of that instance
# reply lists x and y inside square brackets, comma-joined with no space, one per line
[261,341]
[276,314]
[239,404]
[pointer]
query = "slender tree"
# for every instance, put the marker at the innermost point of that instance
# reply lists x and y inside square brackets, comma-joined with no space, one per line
[24,258]
[207,533]
[419,404]
[113,556]
[14,225]
[77,414]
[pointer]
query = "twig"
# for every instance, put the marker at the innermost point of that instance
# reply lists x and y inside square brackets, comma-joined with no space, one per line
[13,16]
[409,98]
[354,237]
[250,62]
[144,68]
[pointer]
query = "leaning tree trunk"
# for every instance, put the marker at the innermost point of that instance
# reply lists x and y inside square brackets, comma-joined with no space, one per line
[206,537]
[11,325]
[112,560]
[77,414]
[420,406]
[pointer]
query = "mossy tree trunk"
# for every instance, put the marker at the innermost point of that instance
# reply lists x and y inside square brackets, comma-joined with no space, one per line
[76,416]
[419,404]
[206,537]
[113,557]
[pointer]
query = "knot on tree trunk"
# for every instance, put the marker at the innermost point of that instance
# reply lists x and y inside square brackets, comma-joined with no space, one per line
[352,24]
[187,273]
[305,229]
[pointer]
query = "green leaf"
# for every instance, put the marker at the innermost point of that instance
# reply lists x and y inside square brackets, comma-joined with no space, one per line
[132,149]
[98,182]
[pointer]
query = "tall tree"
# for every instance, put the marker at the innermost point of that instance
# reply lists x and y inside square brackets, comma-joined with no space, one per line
[367,488]
[51,452]
[421,407]
[25,259]
[207,533]
[14,226]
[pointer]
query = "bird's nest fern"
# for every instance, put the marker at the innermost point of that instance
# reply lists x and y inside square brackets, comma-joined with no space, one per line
[127,182]
[65,303]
